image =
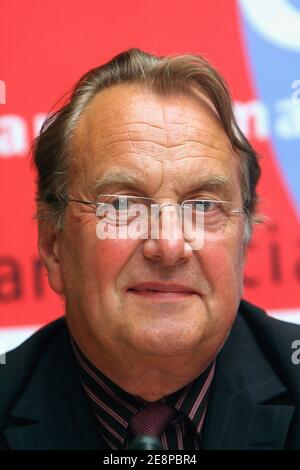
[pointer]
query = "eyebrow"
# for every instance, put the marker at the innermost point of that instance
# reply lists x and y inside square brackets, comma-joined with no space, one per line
[113,179]
[218,183]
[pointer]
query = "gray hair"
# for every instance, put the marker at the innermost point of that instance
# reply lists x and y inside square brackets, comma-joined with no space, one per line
[163,75]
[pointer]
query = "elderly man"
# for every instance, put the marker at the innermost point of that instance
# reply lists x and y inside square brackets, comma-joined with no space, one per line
[156,342]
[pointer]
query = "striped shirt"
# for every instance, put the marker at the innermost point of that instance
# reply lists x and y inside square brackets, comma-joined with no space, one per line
[114,407]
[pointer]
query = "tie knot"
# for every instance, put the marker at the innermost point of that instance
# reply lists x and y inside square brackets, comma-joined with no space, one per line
[151,420]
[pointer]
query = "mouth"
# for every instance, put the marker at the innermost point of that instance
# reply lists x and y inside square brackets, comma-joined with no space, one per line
[162,291]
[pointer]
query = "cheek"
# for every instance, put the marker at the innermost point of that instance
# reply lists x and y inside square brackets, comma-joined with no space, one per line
[93,263]
[223,264]
[109,259]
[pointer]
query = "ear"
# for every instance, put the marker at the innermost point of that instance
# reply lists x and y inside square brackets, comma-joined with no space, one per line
[48,247]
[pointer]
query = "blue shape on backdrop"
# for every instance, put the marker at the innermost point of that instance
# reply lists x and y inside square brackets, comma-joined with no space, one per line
[272,32]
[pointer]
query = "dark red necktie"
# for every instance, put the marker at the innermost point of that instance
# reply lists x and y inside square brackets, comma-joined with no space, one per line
[148,424]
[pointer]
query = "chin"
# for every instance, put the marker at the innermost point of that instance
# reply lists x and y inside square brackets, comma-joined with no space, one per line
[163,350]
[166,342]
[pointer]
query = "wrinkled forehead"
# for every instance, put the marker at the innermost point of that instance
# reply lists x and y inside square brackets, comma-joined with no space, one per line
[133,104]
[129,126]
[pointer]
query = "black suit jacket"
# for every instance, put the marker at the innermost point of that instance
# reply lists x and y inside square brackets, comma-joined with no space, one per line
[254,401]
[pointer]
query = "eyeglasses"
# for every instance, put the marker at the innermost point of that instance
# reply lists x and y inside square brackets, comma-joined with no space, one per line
[121,210]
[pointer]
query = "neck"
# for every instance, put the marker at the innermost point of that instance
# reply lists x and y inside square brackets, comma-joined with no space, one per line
[145,376]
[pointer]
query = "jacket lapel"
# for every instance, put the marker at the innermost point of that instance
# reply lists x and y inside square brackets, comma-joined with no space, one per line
[53,412]
[249,407]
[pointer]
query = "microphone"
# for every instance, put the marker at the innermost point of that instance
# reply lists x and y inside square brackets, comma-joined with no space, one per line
[145,442]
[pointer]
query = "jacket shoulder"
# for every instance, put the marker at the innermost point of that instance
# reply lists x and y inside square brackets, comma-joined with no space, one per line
[22,361]
[278,340]
[260,321]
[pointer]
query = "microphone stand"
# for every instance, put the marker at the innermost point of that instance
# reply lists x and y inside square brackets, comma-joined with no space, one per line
[145,443]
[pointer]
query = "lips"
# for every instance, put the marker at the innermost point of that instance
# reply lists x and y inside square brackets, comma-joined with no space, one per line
[162,287]
[162,291]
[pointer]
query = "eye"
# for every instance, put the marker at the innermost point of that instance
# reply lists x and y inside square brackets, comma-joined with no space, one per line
[119,203]
[207,205]
[203,205]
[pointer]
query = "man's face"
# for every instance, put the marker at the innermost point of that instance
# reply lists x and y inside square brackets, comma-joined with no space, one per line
[166,147]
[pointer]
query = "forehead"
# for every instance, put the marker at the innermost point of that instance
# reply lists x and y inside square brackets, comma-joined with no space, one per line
[126,128]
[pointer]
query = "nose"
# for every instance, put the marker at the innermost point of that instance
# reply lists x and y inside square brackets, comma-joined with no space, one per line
[167,244]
